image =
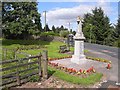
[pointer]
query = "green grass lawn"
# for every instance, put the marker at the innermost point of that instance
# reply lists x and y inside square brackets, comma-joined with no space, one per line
[52,47]
[90,80]
[53,52]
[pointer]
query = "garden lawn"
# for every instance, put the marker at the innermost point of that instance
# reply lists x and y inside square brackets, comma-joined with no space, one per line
[51,47]
[90,80]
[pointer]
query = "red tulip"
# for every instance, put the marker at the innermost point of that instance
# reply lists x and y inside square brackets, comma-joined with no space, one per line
[69,69]
[80,70]
[74,70]
[108,66]
[88,70]
[91,69]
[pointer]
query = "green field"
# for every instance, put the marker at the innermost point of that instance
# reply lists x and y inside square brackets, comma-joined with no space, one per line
[51,47]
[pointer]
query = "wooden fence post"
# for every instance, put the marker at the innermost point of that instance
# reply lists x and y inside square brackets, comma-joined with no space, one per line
[44,64]
[14,54]
[39,66]
[17,72]
[3,54]
[6,54]
[18,77]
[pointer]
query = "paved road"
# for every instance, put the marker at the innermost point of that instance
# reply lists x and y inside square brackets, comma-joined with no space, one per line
[111,51]
[106,52]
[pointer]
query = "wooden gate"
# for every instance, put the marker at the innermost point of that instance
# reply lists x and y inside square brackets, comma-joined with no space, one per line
[18,71]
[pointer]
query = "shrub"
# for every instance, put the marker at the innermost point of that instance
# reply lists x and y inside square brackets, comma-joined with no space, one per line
[64,33]
[117,43]
[49,33]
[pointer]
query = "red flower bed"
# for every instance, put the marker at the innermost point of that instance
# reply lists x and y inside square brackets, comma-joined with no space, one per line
[72,70]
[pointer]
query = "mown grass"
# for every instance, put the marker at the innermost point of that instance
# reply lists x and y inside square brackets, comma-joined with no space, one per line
[51,47]
[53,52]
[90,80]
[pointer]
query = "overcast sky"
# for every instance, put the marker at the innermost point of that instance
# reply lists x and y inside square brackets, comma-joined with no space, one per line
[61,13]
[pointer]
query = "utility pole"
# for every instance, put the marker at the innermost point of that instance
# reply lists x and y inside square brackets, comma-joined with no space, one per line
[45,20]
[69,26]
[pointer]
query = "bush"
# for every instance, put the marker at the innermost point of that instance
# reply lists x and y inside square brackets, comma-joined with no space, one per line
[117,43]
[64,33]
[49,33]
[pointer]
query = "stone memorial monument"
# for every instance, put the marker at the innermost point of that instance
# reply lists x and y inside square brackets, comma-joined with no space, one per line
[79,57]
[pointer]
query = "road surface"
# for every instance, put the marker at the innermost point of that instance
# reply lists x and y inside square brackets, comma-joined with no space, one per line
[109,53]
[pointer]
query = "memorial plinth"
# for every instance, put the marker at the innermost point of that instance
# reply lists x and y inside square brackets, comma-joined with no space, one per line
[79,38]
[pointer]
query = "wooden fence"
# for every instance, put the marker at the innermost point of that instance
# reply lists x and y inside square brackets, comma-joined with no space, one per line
[8,53]
[18,71]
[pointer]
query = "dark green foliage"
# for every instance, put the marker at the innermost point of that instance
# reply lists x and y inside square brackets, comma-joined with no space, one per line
[53,29]
[61,28]
[64,33]
[49,33]
[118,27]
[47,28]
[117,42]
[20,19]
[97,28]
[74,32]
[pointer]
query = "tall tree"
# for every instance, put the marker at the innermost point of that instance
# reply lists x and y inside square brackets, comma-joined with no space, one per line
[20,19]
[118,28]
[47,28]
[96,25]
[88,27]
[53,29]
[62,27]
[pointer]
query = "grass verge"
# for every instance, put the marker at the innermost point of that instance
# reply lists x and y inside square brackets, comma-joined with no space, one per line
[90,80]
